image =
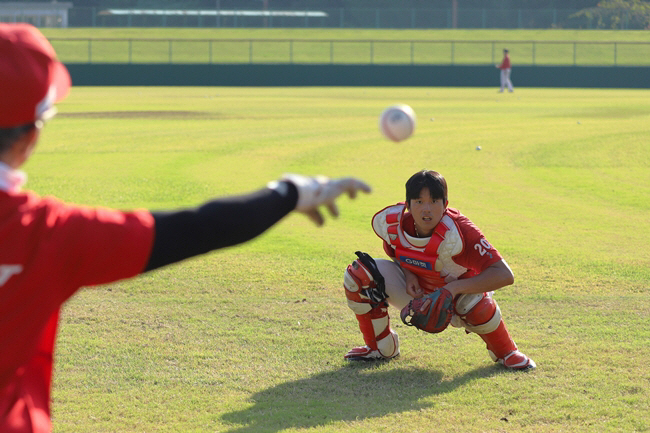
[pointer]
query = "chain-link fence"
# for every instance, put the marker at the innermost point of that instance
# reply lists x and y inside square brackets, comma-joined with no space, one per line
[305,51]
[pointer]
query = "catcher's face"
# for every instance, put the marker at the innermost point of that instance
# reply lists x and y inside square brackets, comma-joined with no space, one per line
[427,212]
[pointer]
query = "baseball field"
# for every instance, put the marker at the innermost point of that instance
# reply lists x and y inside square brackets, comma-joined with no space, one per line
[251,339]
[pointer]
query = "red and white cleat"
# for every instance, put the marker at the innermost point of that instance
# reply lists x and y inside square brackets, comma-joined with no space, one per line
[516,360]
[365,353]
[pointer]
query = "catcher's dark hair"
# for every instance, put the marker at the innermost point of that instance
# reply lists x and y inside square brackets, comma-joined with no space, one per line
[432,180]
[9,135]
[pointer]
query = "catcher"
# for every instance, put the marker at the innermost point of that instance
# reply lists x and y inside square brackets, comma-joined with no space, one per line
[443,271]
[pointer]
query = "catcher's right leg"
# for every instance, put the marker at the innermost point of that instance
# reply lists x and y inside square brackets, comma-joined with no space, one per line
[381,341]
[480,313]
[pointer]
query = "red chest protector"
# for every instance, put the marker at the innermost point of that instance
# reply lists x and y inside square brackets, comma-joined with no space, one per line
[433,265]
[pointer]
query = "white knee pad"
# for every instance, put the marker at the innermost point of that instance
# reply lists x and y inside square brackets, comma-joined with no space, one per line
[466,302]
[477,312]
[355,279]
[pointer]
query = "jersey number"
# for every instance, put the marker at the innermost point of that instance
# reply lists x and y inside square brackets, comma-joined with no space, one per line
[483,247]
[6,271]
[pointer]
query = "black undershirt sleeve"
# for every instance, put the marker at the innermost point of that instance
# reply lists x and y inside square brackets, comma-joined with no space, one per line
[217,224]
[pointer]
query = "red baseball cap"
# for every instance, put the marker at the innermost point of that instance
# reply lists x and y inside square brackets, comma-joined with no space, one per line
[31,77]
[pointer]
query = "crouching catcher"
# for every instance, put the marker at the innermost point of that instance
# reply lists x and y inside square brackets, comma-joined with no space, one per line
[443,271]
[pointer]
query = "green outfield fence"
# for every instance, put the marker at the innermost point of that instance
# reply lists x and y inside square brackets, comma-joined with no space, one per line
[309,51]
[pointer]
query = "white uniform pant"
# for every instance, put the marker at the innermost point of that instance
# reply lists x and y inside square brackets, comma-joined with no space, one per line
[505,80]
[395,283]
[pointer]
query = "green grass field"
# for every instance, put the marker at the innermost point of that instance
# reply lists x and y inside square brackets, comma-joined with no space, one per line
[191,45]
[251,339]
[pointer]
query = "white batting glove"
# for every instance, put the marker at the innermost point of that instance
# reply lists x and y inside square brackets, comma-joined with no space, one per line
[320,190]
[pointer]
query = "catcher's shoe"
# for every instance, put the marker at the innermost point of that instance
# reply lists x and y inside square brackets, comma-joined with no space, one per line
[516,360]
[365,353]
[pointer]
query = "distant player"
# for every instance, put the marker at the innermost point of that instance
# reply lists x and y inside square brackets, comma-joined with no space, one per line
[432,246]
[49,249]
[505,68]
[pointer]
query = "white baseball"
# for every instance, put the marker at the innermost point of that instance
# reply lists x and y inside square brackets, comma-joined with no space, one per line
[397,122]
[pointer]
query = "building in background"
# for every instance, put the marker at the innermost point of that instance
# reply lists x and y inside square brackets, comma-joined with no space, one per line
[41,14]
[378,14]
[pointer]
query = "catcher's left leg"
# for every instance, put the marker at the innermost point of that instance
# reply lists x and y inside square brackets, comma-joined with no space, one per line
[480,313]
[381,341]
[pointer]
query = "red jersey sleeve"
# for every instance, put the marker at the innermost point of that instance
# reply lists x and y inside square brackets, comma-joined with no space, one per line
[60,248]
[478,254]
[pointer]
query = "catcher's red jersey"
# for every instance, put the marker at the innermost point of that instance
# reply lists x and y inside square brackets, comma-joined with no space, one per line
[48,251]
[456,249]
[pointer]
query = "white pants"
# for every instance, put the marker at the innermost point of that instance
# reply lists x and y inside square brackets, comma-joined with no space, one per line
[505,80]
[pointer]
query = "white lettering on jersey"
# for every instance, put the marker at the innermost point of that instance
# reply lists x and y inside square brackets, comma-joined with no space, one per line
[483,248]
[7,271]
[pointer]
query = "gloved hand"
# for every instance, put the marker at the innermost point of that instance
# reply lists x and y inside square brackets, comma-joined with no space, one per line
[320,190]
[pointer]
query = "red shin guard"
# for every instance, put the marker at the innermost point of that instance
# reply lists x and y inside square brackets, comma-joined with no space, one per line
[499,341]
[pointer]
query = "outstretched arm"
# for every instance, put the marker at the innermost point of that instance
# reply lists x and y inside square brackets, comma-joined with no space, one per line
[230,221]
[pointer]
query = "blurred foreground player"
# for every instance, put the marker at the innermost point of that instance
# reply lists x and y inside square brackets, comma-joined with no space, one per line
[50,249]
[434,249]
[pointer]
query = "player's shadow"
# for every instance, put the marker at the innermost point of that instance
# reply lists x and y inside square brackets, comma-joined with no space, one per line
[351,393]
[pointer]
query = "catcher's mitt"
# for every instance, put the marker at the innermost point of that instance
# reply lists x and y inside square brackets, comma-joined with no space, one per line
[430,313]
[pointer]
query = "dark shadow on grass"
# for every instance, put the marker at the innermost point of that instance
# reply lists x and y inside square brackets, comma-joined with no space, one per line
[352,393]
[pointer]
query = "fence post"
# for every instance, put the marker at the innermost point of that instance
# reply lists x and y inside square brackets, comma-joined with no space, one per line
[574,54]
[533,53]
